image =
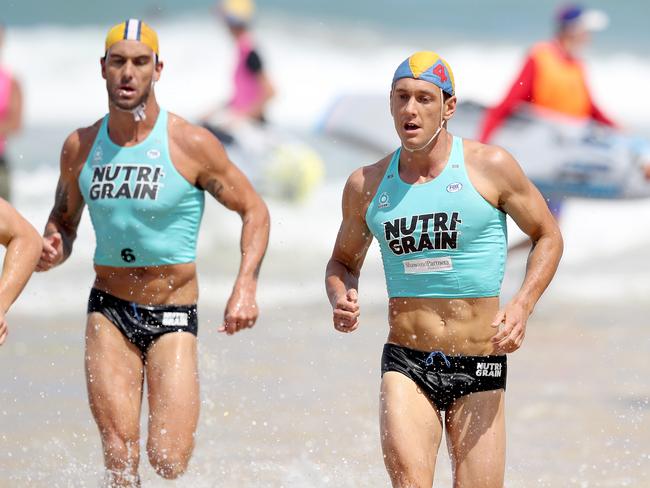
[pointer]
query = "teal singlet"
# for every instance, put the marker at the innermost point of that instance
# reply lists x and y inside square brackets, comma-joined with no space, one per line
[145,213]
[439,239]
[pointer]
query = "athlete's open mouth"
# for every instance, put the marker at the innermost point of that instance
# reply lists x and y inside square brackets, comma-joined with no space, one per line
[408,126]
[125,90]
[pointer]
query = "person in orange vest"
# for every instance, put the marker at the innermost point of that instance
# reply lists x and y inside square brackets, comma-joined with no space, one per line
[553,76]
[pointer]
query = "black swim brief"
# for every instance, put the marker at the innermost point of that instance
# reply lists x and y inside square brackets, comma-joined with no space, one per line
[143,324]
[444,379]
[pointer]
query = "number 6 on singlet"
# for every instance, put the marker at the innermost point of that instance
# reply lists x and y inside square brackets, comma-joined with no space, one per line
[127,255]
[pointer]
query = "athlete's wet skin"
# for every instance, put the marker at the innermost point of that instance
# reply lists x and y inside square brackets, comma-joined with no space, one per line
[142,320]
[437,207]
[23,247]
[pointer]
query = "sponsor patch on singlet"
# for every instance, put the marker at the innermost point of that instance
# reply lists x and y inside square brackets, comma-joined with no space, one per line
[428,265]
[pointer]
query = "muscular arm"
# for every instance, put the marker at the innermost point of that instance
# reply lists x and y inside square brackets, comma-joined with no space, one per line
[24,247]
[520,199]
[352,243]
[228,185]
[61,228]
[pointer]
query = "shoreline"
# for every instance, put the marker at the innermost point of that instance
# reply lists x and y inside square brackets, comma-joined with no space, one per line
[293,403]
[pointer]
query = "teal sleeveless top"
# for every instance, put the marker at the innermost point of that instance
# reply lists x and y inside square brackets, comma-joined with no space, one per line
[145,213]
[439,239]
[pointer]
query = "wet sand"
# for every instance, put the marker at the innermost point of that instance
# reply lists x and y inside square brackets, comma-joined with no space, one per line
[292,403]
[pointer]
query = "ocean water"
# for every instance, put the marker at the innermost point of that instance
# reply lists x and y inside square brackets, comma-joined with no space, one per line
[590,326]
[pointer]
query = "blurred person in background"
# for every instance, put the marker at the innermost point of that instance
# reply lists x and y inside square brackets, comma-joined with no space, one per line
[553,77]
[11,108]
[252,88]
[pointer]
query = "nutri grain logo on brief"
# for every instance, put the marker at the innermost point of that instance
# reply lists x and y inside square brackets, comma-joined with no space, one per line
[174,319]
[488,369]
[128,181]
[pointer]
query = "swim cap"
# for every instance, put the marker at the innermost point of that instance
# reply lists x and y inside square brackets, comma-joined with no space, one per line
[587,19]
[132,30]
[238,12]
[427,66]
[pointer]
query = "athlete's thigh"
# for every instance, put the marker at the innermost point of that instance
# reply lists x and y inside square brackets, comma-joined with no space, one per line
[476,439]
[114,373]
[411,430]
[173,388]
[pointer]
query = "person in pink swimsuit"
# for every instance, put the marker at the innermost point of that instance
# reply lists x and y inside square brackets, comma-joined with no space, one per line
[10,119]
[252,88]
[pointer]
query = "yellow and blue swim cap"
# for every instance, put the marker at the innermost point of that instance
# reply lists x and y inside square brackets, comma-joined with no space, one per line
[132,30]
[427,66]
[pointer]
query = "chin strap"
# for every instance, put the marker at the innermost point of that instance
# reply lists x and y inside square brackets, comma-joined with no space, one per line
[138,112]
[435,134]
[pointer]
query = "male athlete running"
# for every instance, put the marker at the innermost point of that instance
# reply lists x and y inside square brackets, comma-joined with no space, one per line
[142,172]
[437,207]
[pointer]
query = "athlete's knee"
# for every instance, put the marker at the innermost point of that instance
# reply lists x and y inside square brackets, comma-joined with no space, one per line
[169,460]
[404,475]
[121,451]
[404,480]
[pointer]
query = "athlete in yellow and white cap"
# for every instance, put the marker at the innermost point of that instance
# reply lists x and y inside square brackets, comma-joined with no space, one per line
[140,40]
[143,172]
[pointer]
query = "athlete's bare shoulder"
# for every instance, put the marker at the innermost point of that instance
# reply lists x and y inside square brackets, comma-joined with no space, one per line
[77,147]
[362,184]
[490,160]
[195,141]
[494,171]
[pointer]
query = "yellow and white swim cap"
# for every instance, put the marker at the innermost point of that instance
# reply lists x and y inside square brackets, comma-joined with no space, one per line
[132,30]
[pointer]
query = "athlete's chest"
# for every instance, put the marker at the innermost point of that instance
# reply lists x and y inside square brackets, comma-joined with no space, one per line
[442,215]
[142,177]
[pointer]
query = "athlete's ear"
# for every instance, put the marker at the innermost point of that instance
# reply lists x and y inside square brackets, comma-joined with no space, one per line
[450,108]
[390,101]
[102,62]
[158,69]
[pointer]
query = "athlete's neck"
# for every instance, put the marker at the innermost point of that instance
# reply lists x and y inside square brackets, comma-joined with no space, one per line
[124,130]
[427,163]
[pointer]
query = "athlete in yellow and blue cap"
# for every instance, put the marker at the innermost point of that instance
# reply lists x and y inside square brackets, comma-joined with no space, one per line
[437,206]
[425,66]
[143,173]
